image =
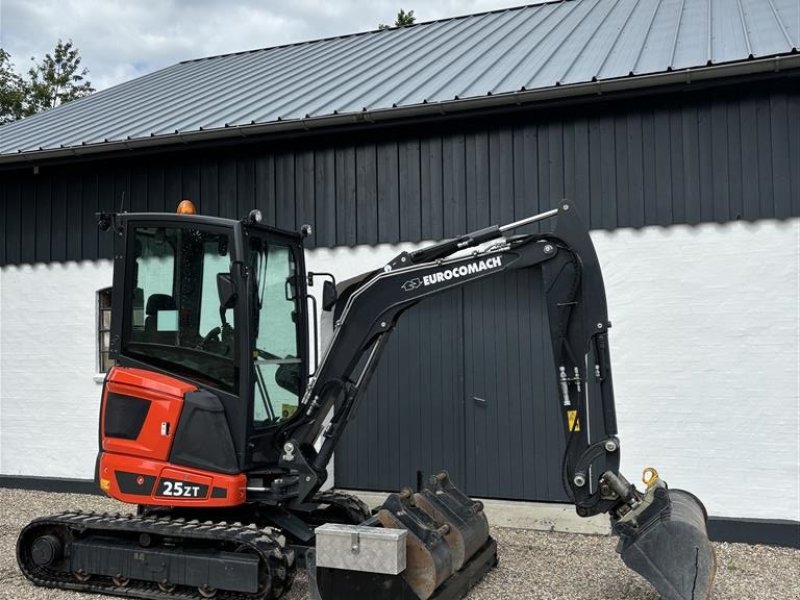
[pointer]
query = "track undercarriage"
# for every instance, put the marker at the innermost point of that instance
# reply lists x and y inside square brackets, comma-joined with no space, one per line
[167,553]
[161,554]
[156,557]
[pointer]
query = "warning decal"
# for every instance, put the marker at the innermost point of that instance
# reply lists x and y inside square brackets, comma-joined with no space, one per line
[572,421]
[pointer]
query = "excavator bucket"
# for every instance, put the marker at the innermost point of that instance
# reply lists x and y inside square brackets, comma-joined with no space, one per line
[432,545]
[448,544]
[468,526]
[667,544]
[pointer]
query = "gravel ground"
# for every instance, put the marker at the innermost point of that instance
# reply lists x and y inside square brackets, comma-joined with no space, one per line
[533,565]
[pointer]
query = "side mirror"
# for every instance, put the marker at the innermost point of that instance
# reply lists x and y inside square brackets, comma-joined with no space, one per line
[329,295]
[226,291]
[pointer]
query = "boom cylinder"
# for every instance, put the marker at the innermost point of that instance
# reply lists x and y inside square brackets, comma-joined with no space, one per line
[470,240]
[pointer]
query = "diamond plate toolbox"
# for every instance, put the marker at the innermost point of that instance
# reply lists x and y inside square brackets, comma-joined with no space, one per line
[359,548]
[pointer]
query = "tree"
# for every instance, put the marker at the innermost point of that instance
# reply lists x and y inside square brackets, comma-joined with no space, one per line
[403,18]
[13,91]
[57,79]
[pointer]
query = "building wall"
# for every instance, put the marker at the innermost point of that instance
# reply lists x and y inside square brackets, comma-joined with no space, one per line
[717,155]
[48,359]
[704,346]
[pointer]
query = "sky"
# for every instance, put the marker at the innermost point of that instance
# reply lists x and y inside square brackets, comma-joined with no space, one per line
[123,39]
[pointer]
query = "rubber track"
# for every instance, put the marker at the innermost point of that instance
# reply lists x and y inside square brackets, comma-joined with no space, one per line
[356,509]
[268,543]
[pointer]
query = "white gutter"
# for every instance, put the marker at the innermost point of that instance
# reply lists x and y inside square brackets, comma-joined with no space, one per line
[693,75]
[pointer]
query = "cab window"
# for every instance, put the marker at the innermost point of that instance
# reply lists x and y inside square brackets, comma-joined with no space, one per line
[276,363]
[173,319]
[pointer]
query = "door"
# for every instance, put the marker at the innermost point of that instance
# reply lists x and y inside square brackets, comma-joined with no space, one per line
[513,437]
[465,384]
[410,419]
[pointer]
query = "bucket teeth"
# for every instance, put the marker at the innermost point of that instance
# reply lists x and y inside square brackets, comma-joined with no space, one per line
[445,529]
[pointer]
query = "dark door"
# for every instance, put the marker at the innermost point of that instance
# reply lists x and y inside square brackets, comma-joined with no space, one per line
[464,384]
[411,418]
[513,439]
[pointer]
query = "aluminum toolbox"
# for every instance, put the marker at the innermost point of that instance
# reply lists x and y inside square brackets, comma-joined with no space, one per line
[360,548]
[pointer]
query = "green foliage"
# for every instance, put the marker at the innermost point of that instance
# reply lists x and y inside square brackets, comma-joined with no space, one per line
[403,18]
[56,79]
[12,91]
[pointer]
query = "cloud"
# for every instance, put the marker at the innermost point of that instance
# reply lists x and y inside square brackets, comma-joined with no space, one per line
[123,39]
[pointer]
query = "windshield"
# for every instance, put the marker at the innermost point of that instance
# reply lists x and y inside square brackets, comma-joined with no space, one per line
[174,320]
[276,363]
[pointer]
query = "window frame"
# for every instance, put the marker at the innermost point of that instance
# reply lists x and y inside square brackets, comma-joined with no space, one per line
[102,348]
[300,312]
[261,433]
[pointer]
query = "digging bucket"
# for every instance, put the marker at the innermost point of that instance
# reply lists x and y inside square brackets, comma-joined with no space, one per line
[468,526]
[668,544]
[448,547]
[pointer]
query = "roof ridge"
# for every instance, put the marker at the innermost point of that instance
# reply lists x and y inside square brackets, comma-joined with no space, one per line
[533,4]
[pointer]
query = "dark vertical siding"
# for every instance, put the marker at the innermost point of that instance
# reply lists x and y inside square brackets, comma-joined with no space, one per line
[432,211]
[265,188]
[13,222]
[43,219]
[454,214]
[388,192]
[685,159]
[28,225]
[418,422]
[793,131]
[366,195]
[325,196]
[4,193]
[74,221]
[465,385]
[409,190]
[59,225]
[781,168]
[345,197]
[245,186]
[285,191]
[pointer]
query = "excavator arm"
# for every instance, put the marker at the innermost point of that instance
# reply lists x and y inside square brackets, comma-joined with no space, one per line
[366,312]
[662,532]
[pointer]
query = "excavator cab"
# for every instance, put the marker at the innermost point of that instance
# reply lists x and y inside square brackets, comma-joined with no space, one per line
[220,305]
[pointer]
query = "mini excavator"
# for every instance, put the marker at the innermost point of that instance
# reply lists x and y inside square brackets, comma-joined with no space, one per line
[219,419]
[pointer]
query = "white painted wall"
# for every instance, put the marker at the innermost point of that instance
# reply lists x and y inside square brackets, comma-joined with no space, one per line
[705,353]
[48,358]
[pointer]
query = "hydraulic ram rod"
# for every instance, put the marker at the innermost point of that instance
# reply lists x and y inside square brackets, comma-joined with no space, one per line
[475,238]
[529,220]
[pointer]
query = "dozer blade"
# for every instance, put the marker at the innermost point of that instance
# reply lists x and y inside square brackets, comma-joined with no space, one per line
[665,540]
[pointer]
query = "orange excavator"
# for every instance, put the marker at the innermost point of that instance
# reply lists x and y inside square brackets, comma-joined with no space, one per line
[219,420]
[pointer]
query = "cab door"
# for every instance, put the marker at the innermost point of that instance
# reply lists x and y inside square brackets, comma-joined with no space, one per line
[278,335]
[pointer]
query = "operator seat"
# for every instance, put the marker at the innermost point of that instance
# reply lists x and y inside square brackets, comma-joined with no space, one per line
[156,303]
